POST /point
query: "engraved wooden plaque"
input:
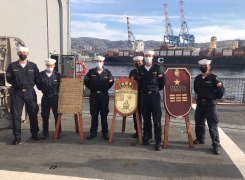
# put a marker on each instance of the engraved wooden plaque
(126, 96)
(70, 96)
(177, 92)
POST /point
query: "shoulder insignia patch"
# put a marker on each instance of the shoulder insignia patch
(8, 74)
(86, 78)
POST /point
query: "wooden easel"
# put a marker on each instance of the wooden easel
(166, 130)
(78, 130)
(124, 125)
(125, 115)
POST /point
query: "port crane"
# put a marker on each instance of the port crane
(169, 36)
(136, 45)
(188, 39)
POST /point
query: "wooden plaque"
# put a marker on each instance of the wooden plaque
(177, 92)
(70, 96)
(126, 96)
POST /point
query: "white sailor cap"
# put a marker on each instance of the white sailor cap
(22, 49)
(101, 58)
(204, 61)
(50, 61)
(138, 58)
(148, 52)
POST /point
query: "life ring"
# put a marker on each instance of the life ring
(79, 74)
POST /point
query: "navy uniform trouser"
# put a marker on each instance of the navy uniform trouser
(99, 103)
(18, 99)
(46, 104)
(209, 113)
(139, 111)
(151, 104)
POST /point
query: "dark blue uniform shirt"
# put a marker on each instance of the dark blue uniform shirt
(22, 78)
(134, 73)
(150, 80)
(206, 88)
(48, 85)
(98, 82)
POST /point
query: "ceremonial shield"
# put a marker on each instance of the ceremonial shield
(177, 92)
(126, 96)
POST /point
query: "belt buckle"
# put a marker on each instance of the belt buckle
(23, 90)
(149, 92)
(98, 91)
(50, 95)
(203, 99)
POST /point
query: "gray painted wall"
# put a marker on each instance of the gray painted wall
(37, 23)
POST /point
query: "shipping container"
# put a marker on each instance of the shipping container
(178, 52)
(126, 53)
(170, 52)
(156, 53)
(163, 53)
(120, 53)
(227, 52)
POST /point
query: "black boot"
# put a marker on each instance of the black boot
(216, 150)
(146, 140)
(91, 136)
(198, 142)
(105, 136)
(45, 136)
(16, 141)
(158, 146)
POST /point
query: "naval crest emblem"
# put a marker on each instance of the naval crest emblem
(126, 96)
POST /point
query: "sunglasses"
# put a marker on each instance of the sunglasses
(203, 65)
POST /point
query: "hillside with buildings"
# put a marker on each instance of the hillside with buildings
(87, 45)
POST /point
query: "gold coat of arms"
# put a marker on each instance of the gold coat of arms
(126, 98)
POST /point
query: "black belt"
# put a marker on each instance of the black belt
(149, 92)
(50, 95)
(98, 92)
(204, 100)
(23, 90)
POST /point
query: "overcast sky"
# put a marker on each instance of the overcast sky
(106, 19)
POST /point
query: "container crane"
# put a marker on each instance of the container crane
(169, 37)
(136, 45)
(188, 39)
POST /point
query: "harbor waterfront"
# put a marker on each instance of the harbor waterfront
(233, 79)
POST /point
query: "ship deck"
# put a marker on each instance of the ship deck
(125, 158)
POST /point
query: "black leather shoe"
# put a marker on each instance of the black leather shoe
(35, 137)
(135, 135)
(45, 136)
(198, 142)
(146, 141)
(16, 141)
(216, 151)
(91, 136)
(158, 146)
(105, 136)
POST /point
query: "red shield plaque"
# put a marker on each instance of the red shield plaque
(177, 92)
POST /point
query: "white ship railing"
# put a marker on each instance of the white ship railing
(234, 86)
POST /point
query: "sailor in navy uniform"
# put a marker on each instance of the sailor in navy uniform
(138, 61)
(48, 82)
(22, 75)
(152, 80)
(208, 88)
(99, 80)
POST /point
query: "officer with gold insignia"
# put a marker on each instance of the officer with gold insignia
(99, 80)
(22, 75)
(152, 80)
(138, 61)
(208, 88)
(48, 81)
